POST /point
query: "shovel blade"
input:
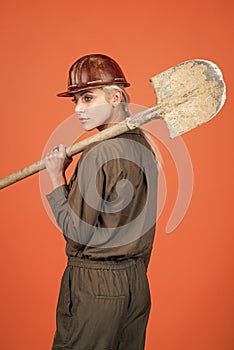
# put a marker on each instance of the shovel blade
(189, 94)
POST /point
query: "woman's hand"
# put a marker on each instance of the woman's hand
(56, 163)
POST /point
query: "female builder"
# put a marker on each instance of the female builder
(107, 213)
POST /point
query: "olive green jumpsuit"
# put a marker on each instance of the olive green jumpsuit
(104, 300)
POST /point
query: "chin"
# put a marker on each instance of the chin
(88, 128)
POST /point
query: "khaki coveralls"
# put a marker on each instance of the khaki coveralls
(104, 299)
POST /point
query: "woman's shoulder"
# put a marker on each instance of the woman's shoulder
(128, 143)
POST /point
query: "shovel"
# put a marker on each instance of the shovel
(188, 95)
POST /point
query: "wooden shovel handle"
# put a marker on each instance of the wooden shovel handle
(115, 130)
(71, 151)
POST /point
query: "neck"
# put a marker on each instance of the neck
(115, 119)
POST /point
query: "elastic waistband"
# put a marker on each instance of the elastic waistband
(103, 264)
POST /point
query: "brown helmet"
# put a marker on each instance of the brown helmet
(92, 71)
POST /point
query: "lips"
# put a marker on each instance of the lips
(83, 119)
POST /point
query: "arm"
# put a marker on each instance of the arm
(56, 163)
(75, 218)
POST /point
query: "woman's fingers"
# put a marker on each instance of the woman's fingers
(57, 152)
(56, 160)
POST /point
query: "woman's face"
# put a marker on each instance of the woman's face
(92, 108)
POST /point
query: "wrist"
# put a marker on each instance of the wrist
(58, 181)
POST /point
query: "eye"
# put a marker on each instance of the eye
(87, 98)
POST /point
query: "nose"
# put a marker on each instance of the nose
(79, 108)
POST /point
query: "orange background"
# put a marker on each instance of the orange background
(191, 271)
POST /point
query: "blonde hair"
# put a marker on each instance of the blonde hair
(110, 89)
(153, 147)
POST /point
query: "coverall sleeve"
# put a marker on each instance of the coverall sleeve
(75, 217)
(58, 200)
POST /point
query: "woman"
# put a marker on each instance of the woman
(107, 214)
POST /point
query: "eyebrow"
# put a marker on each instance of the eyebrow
(86, 91)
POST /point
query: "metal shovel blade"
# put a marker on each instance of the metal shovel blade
(189, 94)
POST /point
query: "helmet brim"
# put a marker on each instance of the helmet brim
(73, 91)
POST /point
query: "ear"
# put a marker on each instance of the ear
(117, 96)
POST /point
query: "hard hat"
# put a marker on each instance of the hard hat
(93, 71)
